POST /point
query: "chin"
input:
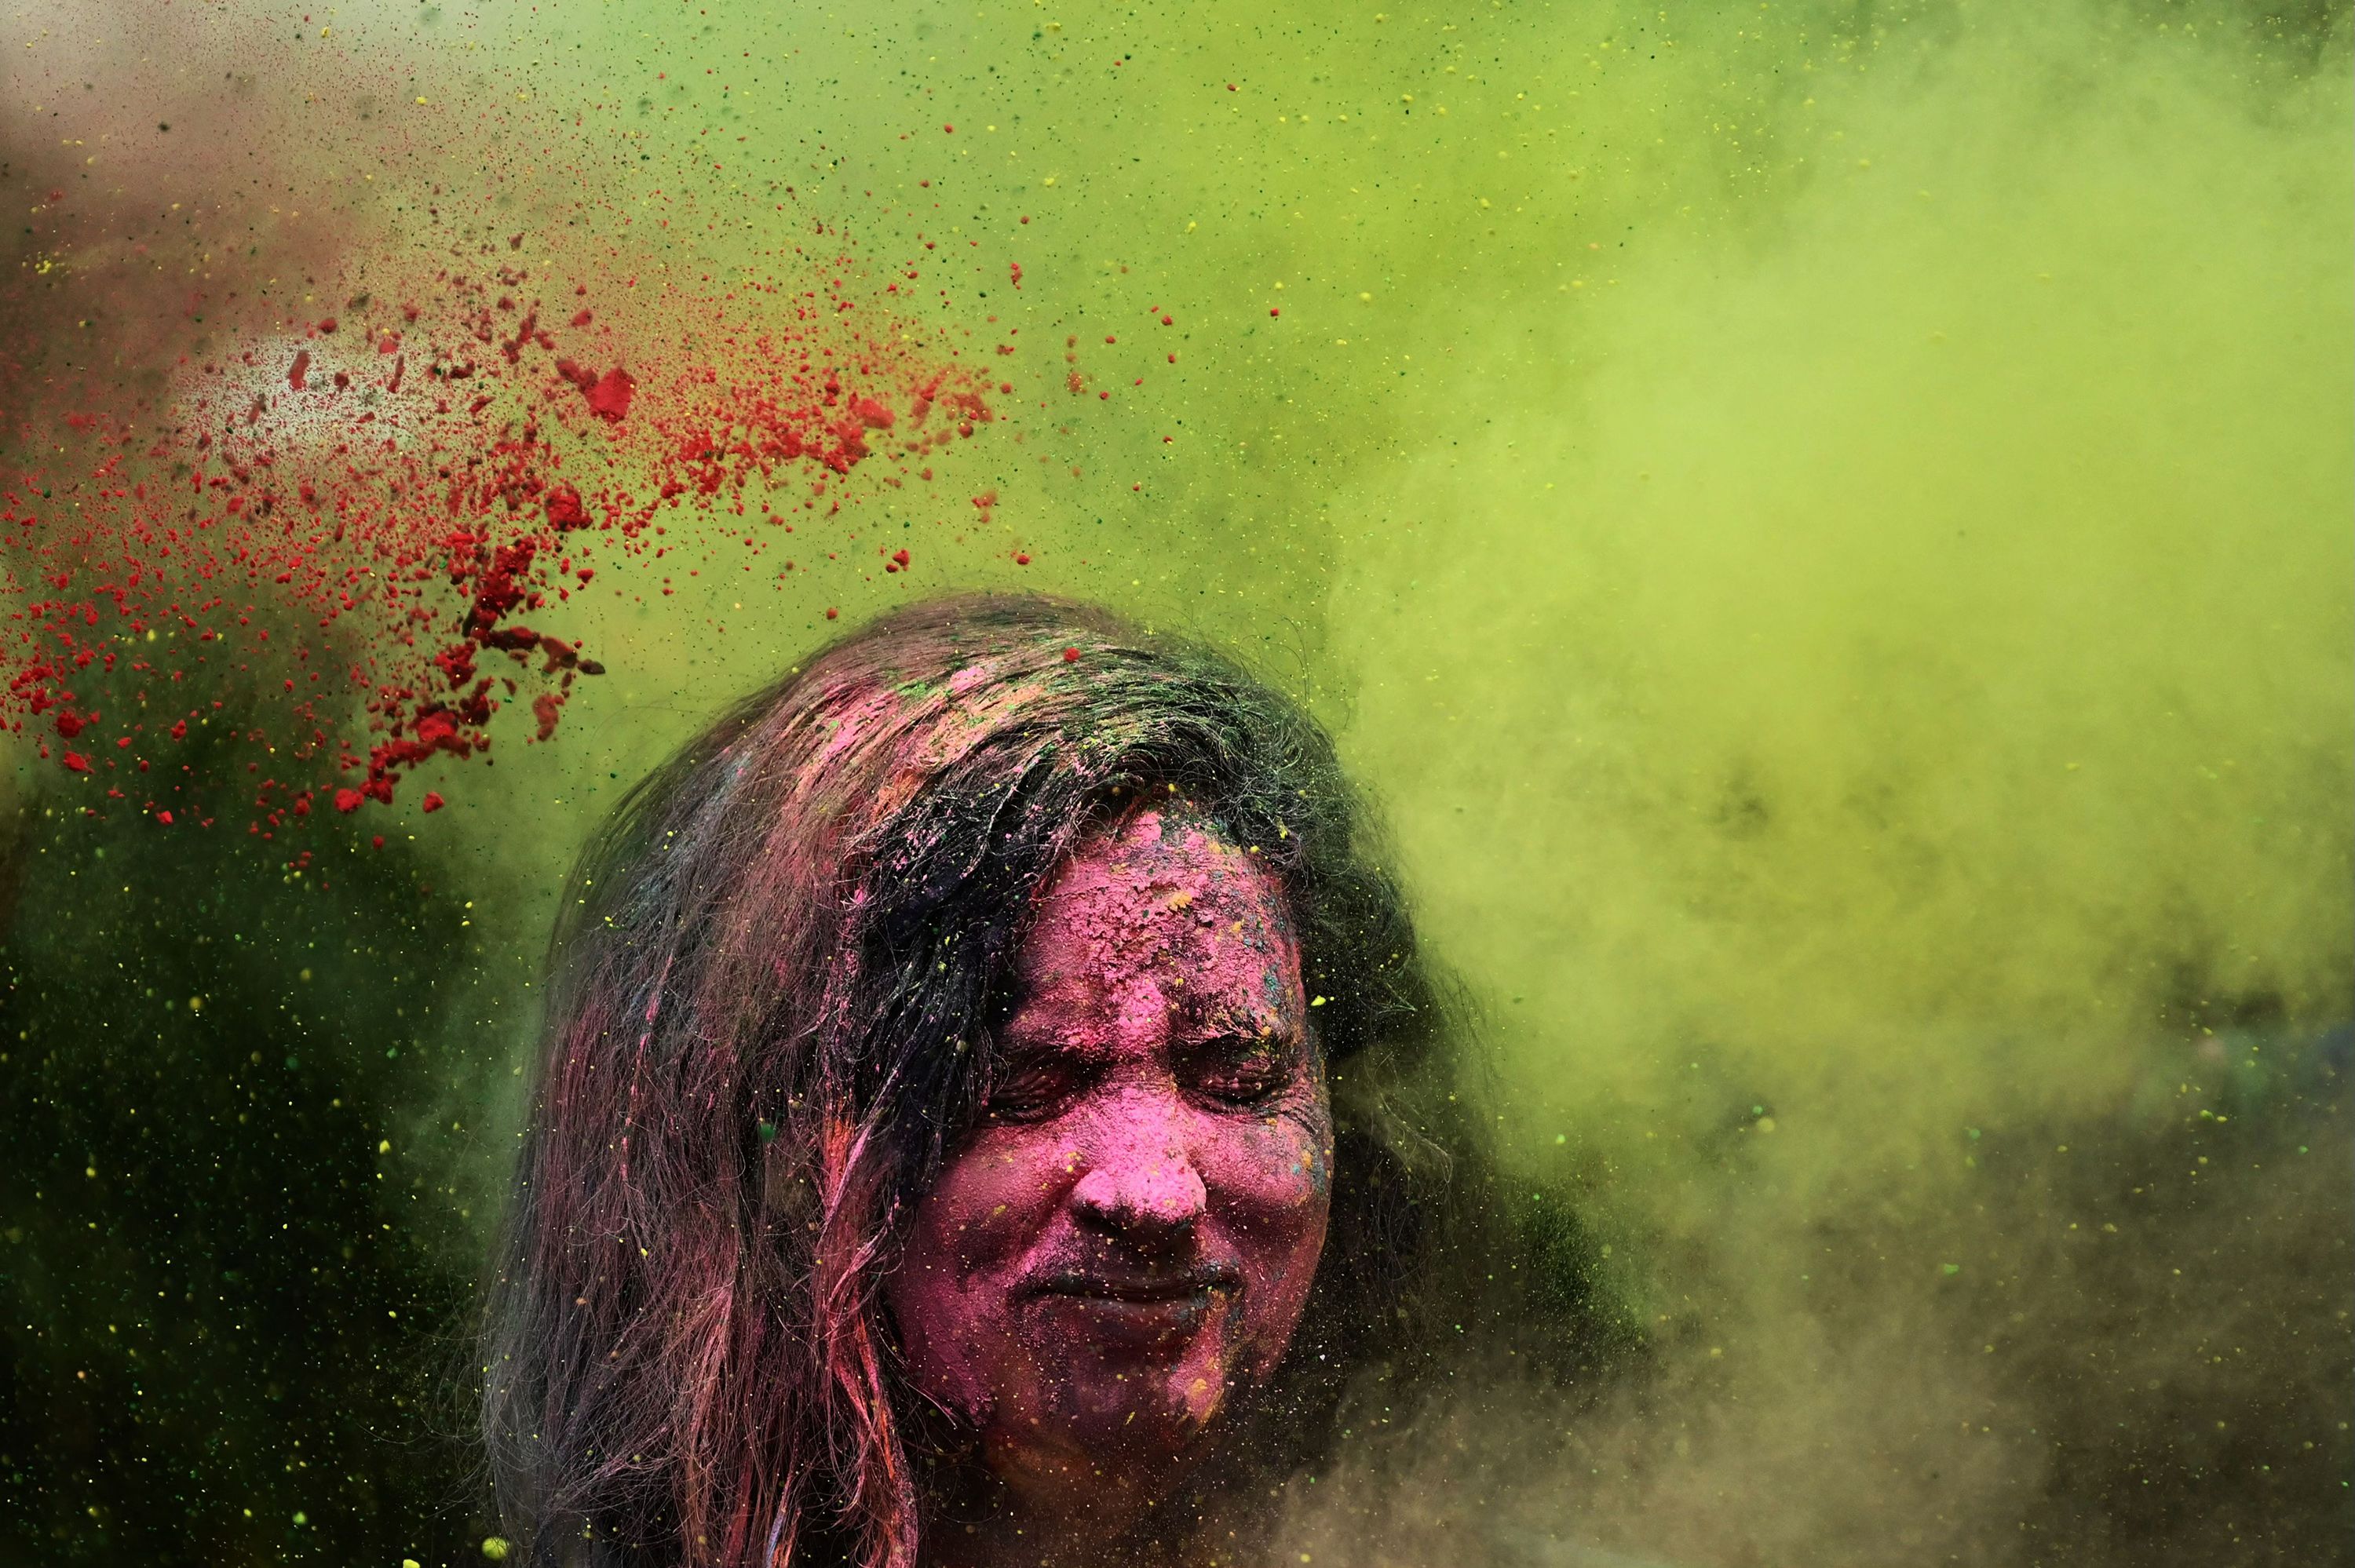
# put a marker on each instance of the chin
(1112, 1439)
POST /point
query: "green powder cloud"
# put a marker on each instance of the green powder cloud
(1826, 525)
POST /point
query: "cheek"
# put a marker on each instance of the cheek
(989, 1205)
(949, 1295)
(1271, 1182)
(980, 1220)
(1274, 1186)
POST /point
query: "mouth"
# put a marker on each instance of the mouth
(1176, 1286)
(1147, 1312)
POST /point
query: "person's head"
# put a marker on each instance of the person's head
(986, 1072)
(1124, 1240)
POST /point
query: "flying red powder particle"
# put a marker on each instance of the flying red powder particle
(433, 801)
(299, 372)
(609, 397)
(1071, 655)
(564, 509)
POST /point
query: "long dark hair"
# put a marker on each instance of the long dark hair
(773, 991)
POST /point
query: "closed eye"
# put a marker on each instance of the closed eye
(1243, 1070)
(1036, 1086)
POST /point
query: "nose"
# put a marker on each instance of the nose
(1143, 1192)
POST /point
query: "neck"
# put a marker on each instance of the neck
(974, 1519)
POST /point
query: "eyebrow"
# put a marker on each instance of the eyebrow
(1202, 1023)
(1053, 1043)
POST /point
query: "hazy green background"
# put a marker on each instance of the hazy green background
(1827, 527)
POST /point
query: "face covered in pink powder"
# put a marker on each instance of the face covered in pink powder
(1128, 1239)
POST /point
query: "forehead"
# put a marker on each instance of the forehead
(1162, 898)
(1151, 858)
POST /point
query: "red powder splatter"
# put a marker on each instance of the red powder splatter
(1016, 268)
(433, 801)
(374, 570)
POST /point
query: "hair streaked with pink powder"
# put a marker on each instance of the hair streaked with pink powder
(774, 998)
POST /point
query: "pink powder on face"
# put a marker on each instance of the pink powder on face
(1130, 1235)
